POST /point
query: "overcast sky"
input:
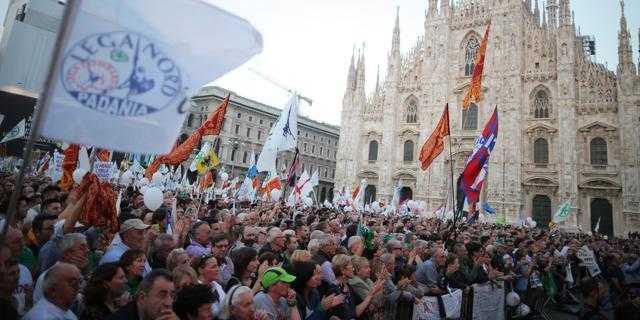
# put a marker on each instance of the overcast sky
(308, 44)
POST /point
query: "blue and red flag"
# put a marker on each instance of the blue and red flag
(475, 171)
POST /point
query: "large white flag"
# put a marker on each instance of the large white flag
(283, 136)
(128, 67)
(17, 132)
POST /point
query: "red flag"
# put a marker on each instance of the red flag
(104, 154)
(435, 144)
(273, 183)
(212, 126)
(355, 192)
(69, 164)
(475, 87)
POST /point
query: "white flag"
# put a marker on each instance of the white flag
(17, 132)
(596, 229)
(315, 180)
(283, 136)
(128, 67)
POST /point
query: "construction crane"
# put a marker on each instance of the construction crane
(277, 84)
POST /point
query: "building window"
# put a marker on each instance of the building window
(261, 121)
(245, 157)
(239, 115)
(471, 50)
(248, 132)
(470, 118)
(314, 138)
(411, 115)
(321, 150)
(259, 135)
(325, 172)
(304, 147)
(373, 150)
(250, 118)
(541, 151)
(313, 148)
(233, 155)
(541, 105)
(271, 125)
(408, 151)
(237, 128)
(306, 135)
(598, 150)
(190, 120)
(541, 210)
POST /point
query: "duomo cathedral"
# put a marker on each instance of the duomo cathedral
(569, 128)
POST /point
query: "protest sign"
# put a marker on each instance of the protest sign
(102, 169)
(426, 309)
(588, 260)
(452, 304)
(488, 301)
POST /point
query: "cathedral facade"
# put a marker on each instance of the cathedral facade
(569, 128)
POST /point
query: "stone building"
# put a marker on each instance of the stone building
(246, 127)
(569, 127)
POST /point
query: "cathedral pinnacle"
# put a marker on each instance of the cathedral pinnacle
(552, 13)
(395, 42)
(351, 77)
(625, 53)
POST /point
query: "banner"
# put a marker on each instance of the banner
(426, 309)
(103, 169)
(488, 301)
(127, 68)
(17, 132)
(588, 260)
(452, 304)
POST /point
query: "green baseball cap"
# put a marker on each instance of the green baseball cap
(274, 275)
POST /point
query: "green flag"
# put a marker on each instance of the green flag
(563, 212)
(500, 220)
(17, 132)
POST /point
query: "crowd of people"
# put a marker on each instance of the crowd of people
(264, 260)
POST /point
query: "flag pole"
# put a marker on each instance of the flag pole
(39, 111)
(453, 190)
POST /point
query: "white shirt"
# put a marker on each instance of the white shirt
(25, 282)
(45, 310)
(216, 306)
(116, 250)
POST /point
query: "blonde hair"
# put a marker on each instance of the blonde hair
(181, 271)
(300, 256)
(359, 262)
(172, 258)
(338, 262)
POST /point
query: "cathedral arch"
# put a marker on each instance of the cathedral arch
(541, 103)
(541, 212)
(470, 117)
(598, 152)
(470, 46)
(373, 150)
(411, 109)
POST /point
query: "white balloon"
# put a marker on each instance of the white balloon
(153, 198)
(533, 224)
(529, 220)
(225, 176)
(78, 174)
(275, 194)
(513, 299)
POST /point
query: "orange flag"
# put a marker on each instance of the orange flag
(212, 126)
(69, 164)
(435, 144)
(273, 183)
(475, 88)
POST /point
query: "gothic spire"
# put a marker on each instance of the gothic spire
(378, 80)
(395, 42)
(445, 7)
(544, 19)
(536, 12)
(565, 13)
(552, 13)
(351, 77)
(432, 10)
(625, 54)
(360, 74)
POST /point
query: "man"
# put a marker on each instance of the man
(238, 305)
(277, 299)
(73, 250)
(302, 232)
(61, 285)
(194, 302)
(133, 235)
(249, 239)
(219, 250)
(162, 246)
(42, 230)
(9, 275)
(275, 243)
(25, 283)
(51, 206)
(394, 247)
(153, 301)
(200, 239)
(594, 294)
(327, 249)
(431, 272)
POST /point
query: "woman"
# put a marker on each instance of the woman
(132, 262)
(209, 273)
(361, 281)
(245, 262)
(352, 307)
(308, 278)
(177, 257)
(184, 276)
(356, 246)
(103, 292)
(300, 256)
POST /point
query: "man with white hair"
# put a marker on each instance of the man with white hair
(238, 305)
(328, 246)
(60, 284)
(73, 250)
(275, 243)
